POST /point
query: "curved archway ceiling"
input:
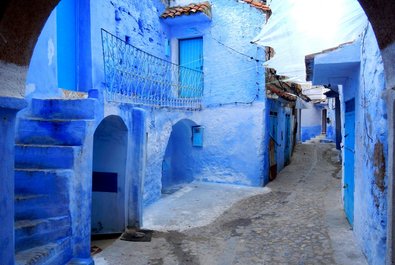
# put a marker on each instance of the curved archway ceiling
(297, 28)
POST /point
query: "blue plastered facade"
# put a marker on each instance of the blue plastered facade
(68, 135)
(358, 70)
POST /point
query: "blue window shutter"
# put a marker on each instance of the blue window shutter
(191, 57)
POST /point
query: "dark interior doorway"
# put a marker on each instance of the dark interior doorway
(108, 176)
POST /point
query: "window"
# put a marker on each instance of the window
(191, 67)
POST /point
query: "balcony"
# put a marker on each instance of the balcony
(137, 77)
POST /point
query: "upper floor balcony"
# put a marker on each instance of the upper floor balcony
(137, 77)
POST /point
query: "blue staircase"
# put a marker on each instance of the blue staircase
(47, 144)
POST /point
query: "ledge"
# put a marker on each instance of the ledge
(12, 103)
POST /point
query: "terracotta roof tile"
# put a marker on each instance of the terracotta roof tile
(259, 4)
(285, 95)
(171, 12)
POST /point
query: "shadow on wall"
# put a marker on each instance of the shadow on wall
(108, 178)
(178, 162)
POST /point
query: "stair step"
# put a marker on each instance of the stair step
(32, 233)
(42, 181)
(64, 108)
(35, 206)
(44, 156)
(51, 132)
(58, 252)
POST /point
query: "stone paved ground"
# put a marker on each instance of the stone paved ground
(299, 222)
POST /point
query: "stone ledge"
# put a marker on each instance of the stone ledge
(12, 103)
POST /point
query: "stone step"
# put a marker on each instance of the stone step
(64, 108)
(51, 132)
(44, 156)
(50, 181)
(37, 232)
(36, 206)
(58, 252)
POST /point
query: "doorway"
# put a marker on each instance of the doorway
(323, 122)
(178, 163)
(273, 145)
(287, 149)
(349, 153)
(108, 177)
(191, 64)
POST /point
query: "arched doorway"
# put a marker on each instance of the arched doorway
(178, 162)
(108, 176)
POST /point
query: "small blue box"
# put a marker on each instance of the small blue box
(197, 136)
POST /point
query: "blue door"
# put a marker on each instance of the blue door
(273, 142)
(349, 151)
(191, 67)
(66, 44)
(287, 151)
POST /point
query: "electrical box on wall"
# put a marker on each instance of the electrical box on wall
(197, 136)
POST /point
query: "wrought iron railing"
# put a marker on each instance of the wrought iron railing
(137, 77)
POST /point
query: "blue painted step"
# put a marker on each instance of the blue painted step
(64, 108)
(32, 233)
(44, 156)
(51, 132)
(55, 253)
(45, 181)
(40, 206)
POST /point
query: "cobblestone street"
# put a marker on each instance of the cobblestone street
(300, 221)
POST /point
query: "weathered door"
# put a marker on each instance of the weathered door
(191, 67)
(349, 152)
(273, 145)
(323, 121)
(287, 149)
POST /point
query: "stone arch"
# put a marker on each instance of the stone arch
(20, 25)
(177, 165)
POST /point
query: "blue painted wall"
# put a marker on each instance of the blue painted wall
(233, 151)
(372, 165)
(74, 59)
(309, 132)
(311, 122)
(138, 20)
(359, 69)
(66, 22)
(41, 80)
(229, 75)
(234, 141)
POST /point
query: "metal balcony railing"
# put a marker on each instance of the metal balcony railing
(137, 77)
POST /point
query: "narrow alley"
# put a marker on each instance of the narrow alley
(298, 221)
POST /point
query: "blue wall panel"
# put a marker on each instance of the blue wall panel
(66, 19)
